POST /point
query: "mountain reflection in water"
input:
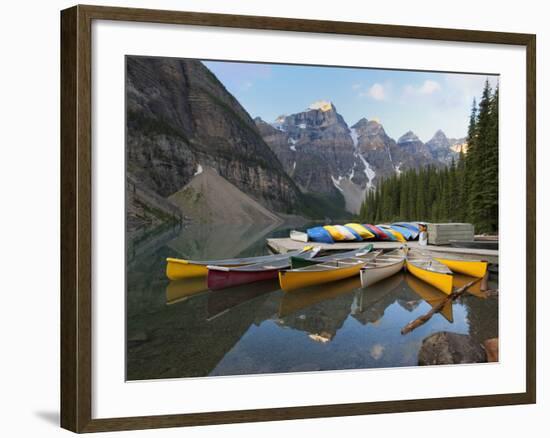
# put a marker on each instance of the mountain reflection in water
(180, 329)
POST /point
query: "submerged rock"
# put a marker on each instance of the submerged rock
(444, 348)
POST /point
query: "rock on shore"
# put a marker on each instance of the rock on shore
(445, 348)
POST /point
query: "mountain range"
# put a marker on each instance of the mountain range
(181, 120)
(324, 155)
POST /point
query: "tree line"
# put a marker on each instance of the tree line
(464, 191)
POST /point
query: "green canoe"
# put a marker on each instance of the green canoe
(297, 262)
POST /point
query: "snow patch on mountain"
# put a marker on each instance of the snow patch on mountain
(292, 143)
(336, 183)
(369, 171)
(279, 122)
(199, 170)
(322, 105)
(354, 137)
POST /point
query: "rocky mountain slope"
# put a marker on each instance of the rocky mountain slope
(146, 209)
(445, 149)
(181, 118)
(210, 198)
(319, 151)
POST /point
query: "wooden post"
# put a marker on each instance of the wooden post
(485, 282)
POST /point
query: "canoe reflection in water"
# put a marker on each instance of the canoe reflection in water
(186, 330)
(222, 301)
(371, 302)
(181, 290)
(431, 295)
(309, 296)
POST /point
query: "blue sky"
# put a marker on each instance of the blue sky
(401, 100)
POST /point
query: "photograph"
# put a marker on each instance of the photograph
(285, 218)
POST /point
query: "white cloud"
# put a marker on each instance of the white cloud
(428, 87)
(357, 86)
(376, 351)
(376, 92)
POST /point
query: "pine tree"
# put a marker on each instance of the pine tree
(466, 190)
(469, 161)
(491, 172)
(462, 196)
(478, 189)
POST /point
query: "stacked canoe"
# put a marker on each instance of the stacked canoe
(397, 232)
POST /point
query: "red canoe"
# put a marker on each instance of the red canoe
(220, 277)
(379, 233)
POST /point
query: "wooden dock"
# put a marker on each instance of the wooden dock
(285, 244)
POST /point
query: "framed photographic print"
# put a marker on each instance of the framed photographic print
(268, 218)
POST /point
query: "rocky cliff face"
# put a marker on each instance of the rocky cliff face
(318, 140)
(445, 149)
(376, 147)
(412, 153)
(180, 118)
(319, 151)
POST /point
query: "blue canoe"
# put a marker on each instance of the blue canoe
(319, 234)
(407, 233)
(410, 225)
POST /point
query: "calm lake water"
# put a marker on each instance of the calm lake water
(178, 329)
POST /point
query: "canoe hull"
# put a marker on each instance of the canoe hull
(219, 279)
(300, 262)
(393, 233)
(319, 234)
(379, 234)
(472, 268)
(370, 276)
(443, 282)
(297, 262)
(360, 230)
(177, 269)
(299, 236)
(291, 280)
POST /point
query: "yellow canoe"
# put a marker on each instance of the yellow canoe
(432, 272)
(475, 268)
(322, 273)
(178, 269)
(334, 232)
(361, 230)
(431, 295)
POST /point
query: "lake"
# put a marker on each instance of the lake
(179, 329)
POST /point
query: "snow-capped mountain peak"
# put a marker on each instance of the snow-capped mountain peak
(322, 105)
